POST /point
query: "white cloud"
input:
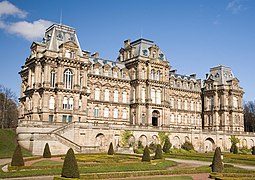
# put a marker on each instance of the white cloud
(235, 6)
(2, 25)
(7, 8)
(29, 31)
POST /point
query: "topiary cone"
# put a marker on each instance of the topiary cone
(146, 155)
(17, 158)
(217, 165)
(46, 152)
(110, 150)
(70, 166)
(158, 153)
(167, 146)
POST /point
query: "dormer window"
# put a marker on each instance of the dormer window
(154, 54)
(60, 37)
(72, 54)
(217, 75)
(72, 38)
(161, 56)
(145, 52)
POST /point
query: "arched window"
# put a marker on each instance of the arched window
(115, 113)
(52, 78)
(192, 105)
(68, 79)
(65, 103)
(97, 94)
(143, 74)
(106, 112)
(143, 95)
(185, 119)
(185, 105)
(179, 104)
(158, 75)
(172, 118)
(124, 97)
(116, 96)
(124, 114)
(106, 95)
(52, 102)
(115, 74)
(96, 111)
(158, 97)
(152, 74)
(235, 102)
(153, 95)
(96, 71)
(179, 120)
(70, 103)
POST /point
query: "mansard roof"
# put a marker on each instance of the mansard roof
(142, 46)
(58, 34)
(104, 62)
(221, 74)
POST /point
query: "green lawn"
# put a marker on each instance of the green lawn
(166, 178)
(8, 143)
(247, 159)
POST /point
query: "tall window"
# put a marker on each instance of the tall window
(124, 114)
(158, 75)
(106, 95)
(158, 97)
(96, 112)
(235, 102)
(179, 104)
(153, 95)
(198, 106)
(179, 120)
(185, 105)
(50, 119)
(143, 74)
(152, 74)
(52, 102)
(97, 94)
(106, 112)
(124, 97)
(68, 79)
(172, 118)
(80, 104)
(115, 74)
(115, 96)
(70, 103)
(52, 78)
(81, 79)
(172, 102)
(143, 95)
(65, 103)
(96, 71)
(70, 119)
(185, 119)
(192, 105)
(115, 113)
(192, 120)
(106, 73)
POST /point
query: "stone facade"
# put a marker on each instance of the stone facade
(70, 98)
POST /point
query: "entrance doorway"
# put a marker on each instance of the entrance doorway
(155, 116)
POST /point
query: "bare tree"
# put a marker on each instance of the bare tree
(249, 116)
(8, 108)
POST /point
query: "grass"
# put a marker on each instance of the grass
(8, 143)
(166, 178)
(246, 159)
(47, 163)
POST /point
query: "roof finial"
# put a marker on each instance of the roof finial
(60, 16)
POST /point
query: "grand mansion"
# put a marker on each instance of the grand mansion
(72, 98)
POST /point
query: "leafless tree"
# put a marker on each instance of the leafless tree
(249, 116)
(8, 108)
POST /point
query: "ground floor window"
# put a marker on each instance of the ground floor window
(50, 118)
(70, 118)
(64, 118)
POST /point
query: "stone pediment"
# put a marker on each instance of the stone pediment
(69, 44)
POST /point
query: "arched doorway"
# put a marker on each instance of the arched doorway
(155, 116)
(209, 145)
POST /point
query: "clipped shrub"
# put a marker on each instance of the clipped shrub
(17, 158)
(140, 145)
(187, 146)
(46, 152)
(253, 150)
(70, 166)
(152, 147)
(110, 150)
(167, 145)
(146, 155)
(158, 153)
(235, 149)
(138, 151)
(217, 165)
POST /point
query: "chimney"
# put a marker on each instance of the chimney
(95, 55)
(126, 43)
(173, 71)
(194, 76)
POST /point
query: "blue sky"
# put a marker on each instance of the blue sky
(194, 34)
